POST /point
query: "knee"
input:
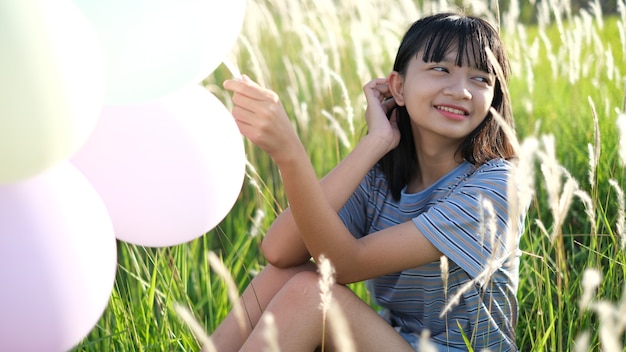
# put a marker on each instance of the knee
(286, 274)
(303, 287)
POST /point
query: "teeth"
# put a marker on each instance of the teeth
(454, 111)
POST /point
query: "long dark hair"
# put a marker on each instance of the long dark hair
(435, 35)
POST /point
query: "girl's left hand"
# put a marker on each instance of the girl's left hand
(379, 105)
(261, 118)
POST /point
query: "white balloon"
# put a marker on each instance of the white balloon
(168, 170)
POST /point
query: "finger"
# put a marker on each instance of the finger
(243, 116)
(251, 89)
(375, 82)
(389, 103)
(246, 78)
(393, 119)
(243, 102)
(384, 90)
(240, 84)
(376, 89)
(237, 85)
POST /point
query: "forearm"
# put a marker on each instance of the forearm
(314, 205)
(283, 245)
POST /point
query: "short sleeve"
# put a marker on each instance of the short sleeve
(470, 225)
(356, 214)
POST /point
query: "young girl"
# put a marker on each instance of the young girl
(427, 182)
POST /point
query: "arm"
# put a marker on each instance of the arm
(283, 245)
(393, 249)
(313, 206)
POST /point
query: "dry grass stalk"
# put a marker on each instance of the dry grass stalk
(326, 282)
(621, 127)
(612, 317)
(559, 195)
(255, 62)
(196, 328)
(521, 188)
(443, 266)
(609, 328)
(620, 226)
(231, 288)
(498, 256)
(621, 311)
(256, 181)
(582, 342)
(336, 127)
(594, 153)
(270, 333)
(589, 209)
(445, 271)
(425, 345)
(257, 221)
(621, 8)
(489, 218)
(346, 99)
(340, 330)
(590, 282)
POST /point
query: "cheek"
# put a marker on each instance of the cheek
(492, 98)
(488, 100)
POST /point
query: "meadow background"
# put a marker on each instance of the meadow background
(568, 92)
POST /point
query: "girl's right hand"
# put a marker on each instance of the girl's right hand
(261, 117)
(379, 104)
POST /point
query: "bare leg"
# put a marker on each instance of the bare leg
(228, 336)
(298, 320)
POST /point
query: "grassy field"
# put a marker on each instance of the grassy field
(568, 91)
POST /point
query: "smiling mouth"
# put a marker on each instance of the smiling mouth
(451, 110)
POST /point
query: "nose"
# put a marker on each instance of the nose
(457, 88)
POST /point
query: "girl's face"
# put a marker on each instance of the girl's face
(443, 100)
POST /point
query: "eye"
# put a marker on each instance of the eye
(485, 79)
(439, 69)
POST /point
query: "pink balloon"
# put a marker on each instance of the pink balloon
(168, 170)
(57, 260)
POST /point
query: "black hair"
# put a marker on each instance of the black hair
(437, 35)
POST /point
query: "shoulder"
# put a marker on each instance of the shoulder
(497, 165)
(488, 180)
(373, 188)
(495, 170)
(375, 179)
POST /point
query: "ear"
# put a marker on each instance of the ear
(396, 87)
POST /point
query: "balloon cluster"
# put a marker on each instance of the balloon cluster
(105, 134)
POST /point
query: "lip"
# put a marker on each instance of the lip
(453, 112)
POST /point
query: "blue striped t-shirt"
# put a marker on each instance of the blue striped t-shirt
(464, 215)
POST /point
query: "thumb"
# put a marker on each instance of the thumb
(393, 117)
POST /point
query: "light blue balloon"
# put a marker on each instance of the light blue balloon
(155, 47)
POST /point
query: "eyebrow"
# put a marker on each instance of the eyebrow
(449, 58)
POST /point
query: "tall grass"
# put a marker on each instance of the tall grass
(567, 90)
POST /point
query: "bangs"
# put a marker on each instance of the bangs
(438, 35)
(461, 34)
